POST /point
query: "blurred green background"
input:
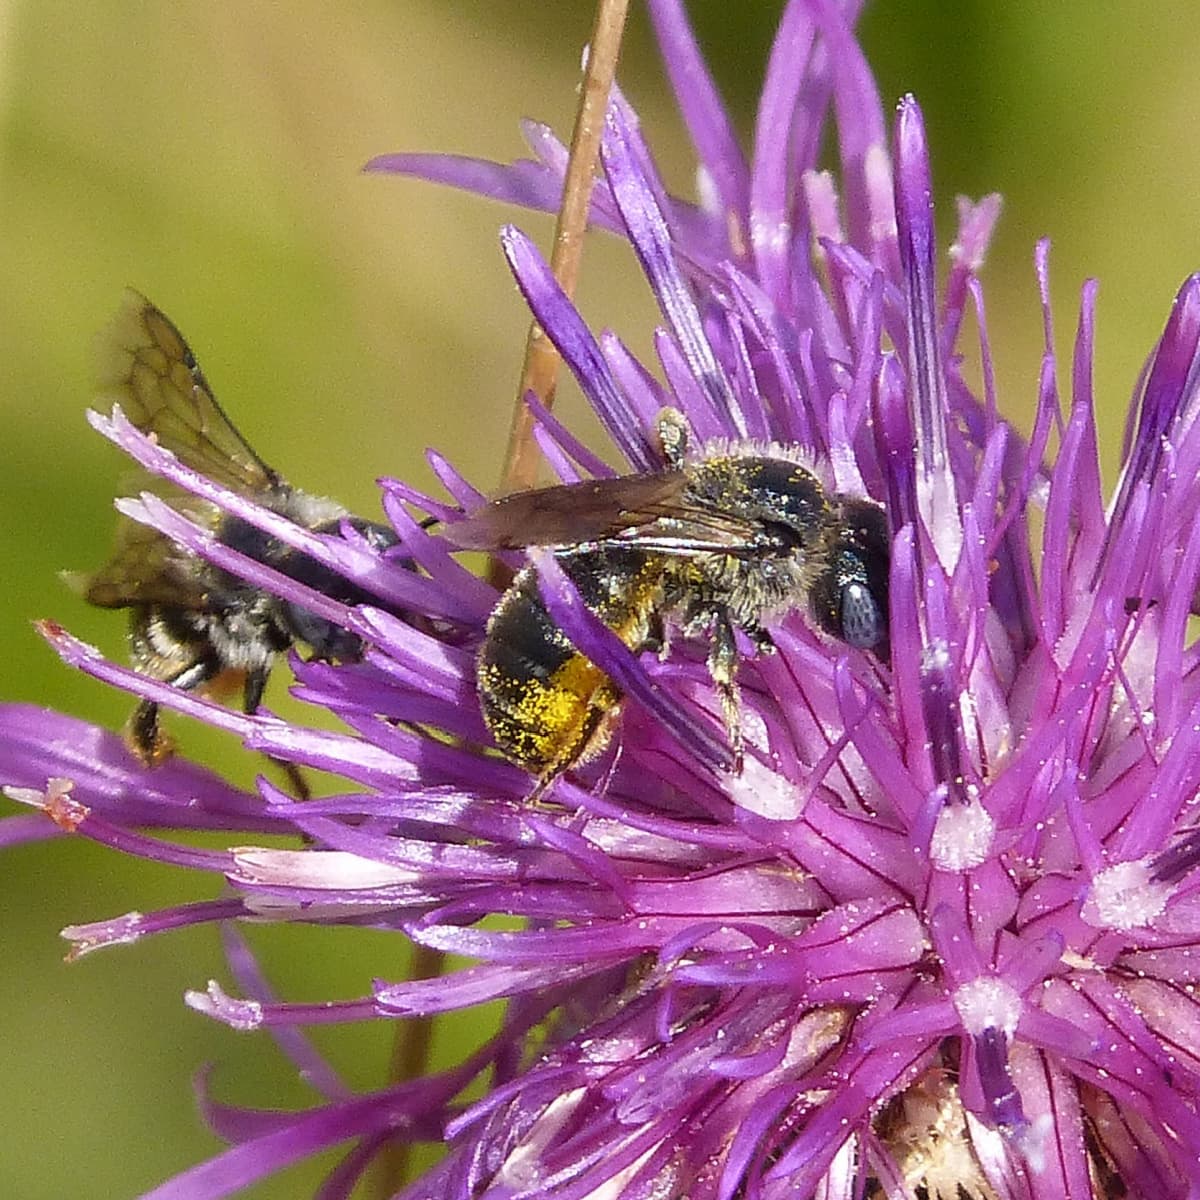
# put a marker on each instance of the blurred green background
(208, 154)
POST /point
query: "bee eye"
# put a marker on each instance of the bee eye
(862, 622)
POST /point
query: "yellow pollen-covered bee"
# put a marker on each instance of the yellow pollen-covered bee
(726, 540)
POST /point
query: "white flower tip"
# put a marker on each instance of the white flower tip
(98, 935)
(1125, 896)
(824, 213)
(55, 801)
(770, 236)
(99, 422)
(217, 1003)
(706, 190)
(962, 837)
(988, 1003)
(334, 870)
(1031, 1139)
(134, 508)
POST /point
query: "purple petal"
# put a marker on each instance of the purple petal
(936, 495)
(703, 112)
(564, 327)
(37, 744)
(651, 240)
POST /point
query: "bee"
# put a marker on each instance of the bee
(192, 624)
(724, 541)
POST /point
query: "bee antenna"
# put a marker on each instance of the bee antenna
(672, 429)
(610, 771)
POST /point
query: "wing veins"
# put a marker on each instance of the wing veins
(145, 365)
(653, 511)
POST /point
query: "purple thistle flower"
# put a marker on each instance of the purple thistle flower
(941, 931)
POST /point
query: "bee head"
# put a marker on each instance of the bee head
(850, 596)
(328, 639)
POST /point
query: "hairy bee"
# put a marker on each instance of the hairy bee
(722, 542)
(190, 621)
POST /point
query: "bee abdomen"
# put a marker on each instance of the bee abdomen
(545, 703)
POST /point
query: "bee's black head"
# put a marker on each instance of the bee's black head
(327, 639)
(850, 597)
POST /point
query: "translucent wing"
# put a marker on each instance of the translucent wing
(146, 367)
(146, 568)
(654, 511)
(568, 514)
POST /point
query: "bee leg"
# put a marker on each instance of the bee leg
(656, 640)
(144, 735)
(761, 639)
(294, 776)
(722, 666)
(256, 682)
(544, 784)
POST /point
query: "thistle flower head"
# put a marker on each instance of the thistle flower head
(941, 932)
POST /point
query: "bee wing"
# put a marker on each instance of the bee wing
(146, 568)
(144, 364)
(569, 513)
(652, 511)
